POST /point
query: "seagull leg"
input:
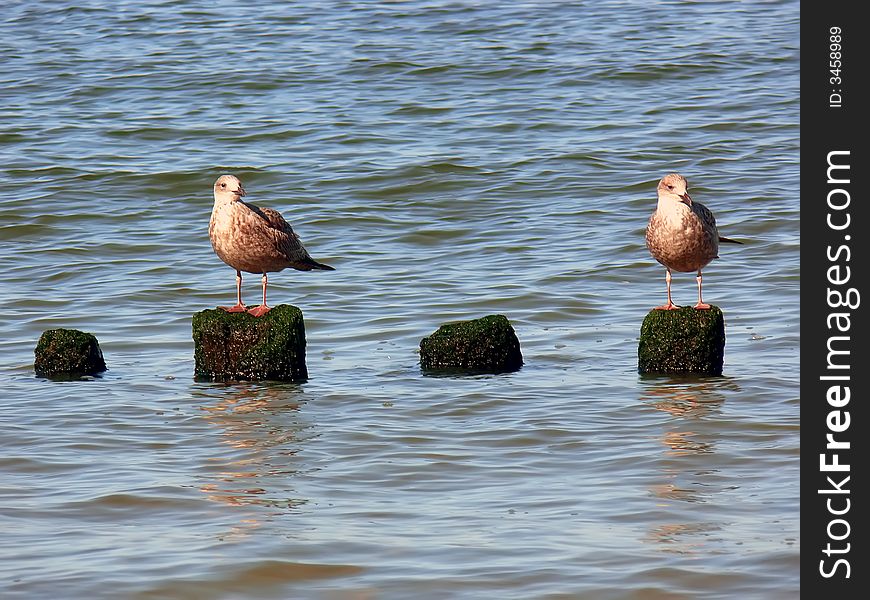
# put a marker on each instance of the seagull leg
(700, 305)
(239, 307)
(670, 305)
(263, 308)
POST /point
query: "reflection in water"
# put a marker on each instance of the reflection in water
(687, 398)
(682, 538)
(688, 471)
(684, 442)
(670, 491)
(691, 402)
(261, 425)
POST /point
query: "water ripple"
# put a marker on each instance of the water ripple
(451, 160)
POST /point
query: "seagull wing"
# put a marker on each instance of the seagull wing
(286, 240)
(709, 221)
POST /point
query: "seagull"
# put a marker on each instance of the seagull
(682, 234)
(253, 239)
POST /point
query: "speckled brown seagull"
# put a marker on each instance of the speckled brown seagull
(253, 239)
(682, 234)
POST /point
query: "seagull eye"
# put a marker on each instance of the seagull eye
(223, 185)
(670, 187)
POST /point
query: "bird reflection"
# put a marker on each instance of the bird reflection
(684, 442)
(261, 427)
(692, 402)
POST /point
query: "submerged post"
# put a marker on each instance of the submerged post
(234, 346)
(485, 345)
(67, 354)
(684, 341)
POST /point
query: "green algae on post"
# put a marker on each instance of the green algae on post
(684, 341)
(67, 354)
(238, 346)
(485, 345)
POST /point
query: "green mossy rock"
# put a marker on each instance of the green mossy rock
(67, 354)
(685, 341)
(235, 346)
(485, 345)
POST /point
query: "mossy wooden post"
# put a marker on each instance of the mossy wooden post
(234, 346)
(684, 341)
(67, 354)
(485, 345)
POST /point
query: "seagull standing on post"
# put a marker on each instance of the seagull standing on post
(253, 239)
(682, 234)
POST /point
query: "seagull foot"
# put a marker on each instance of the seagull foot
(668, 306)
(259, 311)
(234, 309)
(702, 306)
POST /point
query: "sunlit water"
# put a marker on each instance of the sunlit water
(451, 160)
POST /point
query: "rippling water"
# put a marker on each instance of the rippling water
(452, 160)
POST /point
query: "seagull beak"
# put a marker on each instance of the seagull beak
(240, 191)
(686, 199)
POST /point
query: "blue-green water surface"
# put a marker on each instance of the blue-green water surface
(451, 160)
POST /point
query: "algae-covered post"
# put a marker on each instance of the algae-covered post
(67, 354)
(683, 341)
(485, 345)
(234, 346)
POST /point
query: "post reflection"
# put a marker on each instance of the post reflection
(694, 398)
(262, 431)
(689, 465)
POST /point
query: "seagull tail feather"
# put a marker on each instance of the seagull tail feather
(323, 267)
(309, 264)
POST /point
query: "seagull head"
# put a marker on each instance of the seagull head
(675, 187)
(228, 188)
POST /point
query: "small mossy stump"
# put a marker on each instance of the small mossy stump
(485, 345)
(67, 354)
(236, 346)
(684, 341)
